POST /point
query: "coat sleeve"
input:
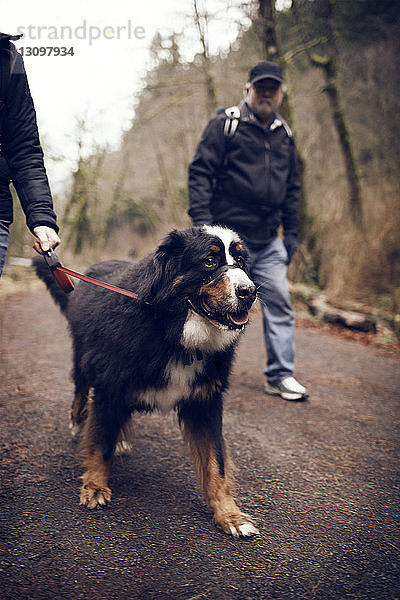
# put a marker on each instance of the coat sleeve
(290, 209)
(204, 170)
(22, 149)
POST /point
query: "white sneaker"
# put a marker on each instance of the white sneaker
(288, 389)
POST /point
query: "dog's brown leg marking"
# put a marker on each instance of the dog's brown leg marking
(217, 488)
(94, 491)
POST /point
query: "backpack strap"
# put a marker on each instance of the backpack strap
(231, 121)
(279, 122)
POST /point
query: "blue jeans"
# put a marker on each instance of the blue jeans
(268, 271)
(4, 233)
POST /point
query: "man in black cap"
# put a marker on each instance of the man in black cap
(244, 175)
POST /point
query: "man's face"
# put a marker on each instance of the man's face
(264, 98)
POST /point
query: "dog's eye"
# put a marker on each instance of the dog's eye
(240, 261)
(211, 262)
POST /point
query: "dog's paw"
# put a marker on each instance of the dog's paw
(238, 525)
(94, 496)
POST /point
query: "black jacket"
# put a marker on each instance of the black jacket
(248, 182)
(21, 156)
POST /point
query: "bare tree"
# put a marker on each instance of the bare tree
(329, 65)
(82, 212)
(271, 51)
(271, 48)
(201, 22)
(266, 12)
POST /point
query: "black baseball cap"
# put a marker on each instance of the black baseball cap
(266, 70)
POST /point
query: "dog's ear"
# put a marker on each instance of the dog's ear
(163, 269)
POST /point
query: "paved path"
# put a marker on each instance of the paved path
(321, 479)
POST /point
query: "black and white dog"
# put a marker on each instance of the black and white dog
(172, 348)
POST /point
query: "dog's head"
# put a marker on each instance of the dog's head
(203, 269)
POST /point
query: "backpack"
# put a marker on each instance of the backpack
(232, 120)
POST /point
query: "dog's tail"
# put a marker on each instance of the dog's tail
(45, 274)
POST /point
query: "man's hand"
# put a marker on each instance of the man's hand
(46, 239)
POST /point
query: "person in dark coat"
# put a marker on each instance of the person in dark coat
(21, 155)
(244, 175)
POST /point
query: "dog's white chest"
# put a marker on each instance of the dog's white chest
(200, 333)
(179, 380)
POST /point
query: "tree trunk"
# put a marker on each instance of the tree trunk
(266, 12)
(329, 65)
(211, 94)
(271, 49)
(165, 184)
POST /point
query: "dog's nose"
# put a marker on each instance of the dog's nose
(246, 292)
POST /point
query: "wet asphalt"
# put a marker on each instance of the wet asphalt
(320, 478)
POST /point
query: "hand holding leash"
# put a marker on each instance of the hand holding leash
(47, 238)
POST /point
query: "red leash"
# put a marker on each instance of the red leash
(61, 275)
